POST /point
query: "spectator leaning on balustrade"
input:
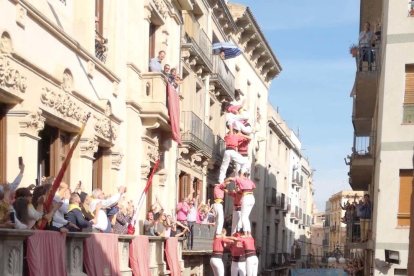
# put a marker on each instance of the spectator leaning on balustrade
(149, 224)
(102, 222)
(155, 63)
(75, 215)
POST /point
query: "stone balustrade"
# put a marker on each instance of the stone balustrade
(12, 253)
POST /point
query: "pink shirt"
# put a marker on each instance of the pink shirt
(245, 184)
(243, 145)
(219, 191)
(232, 140)
(182, 211)
(237, 249)
(236, 198)
(248, 243)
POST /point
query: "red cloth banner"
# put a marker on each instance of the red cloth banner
(171, 253)
(139, 256)
(174, 112)
(46, 253)
(101, 255)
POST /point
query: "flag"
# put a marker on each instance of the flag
(144, 192)
(56, 183)
(174, 112)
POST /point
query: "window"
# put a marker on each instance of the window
(406, 182)
(97, 169)
(53, 147)
(184, 186)
(152, 41)
(100, 41)
(408, 106)
(3, 143)
(99, 16)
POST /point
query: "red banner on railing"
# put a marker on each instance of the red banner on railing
(171, 253)
(139, 256)
(174, 112)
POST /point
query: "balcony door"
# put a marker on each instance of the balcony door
(97, 169)
(3, 143)
(185, 184)
(53, 147)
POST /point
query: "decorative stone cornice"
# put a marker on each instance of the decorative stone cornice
(105, 129)
(151, 148)
(88, 147)
(62, 103)
(116, 160)
(11, 78)
(161, 7)
(33, 123)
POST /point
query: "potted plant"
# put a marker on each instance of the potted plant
(353, 50)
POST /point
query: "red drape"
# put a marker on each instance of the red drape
(139, 256)
(46, 254)
(174, 112)
(101, 255)
(171, 252)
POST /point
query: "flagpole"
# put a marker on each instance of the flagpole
(144, 192)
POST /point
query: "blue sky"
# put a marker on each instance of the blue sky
(311, 40)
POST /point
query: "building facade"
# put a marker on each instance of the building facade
(317, 238)
(61, 60)
(285, 214)
(381, 160)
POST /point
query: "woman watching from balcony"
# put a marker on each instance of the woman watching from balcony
(365, 42)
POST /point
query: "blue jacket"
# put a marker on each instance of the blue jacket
(365, 210)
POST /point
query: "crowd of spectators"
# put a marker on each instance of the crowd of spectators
(357, 218)
(71, 210)
(171, 74)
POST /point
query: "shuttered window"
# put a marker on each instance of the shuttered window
(3, 143)
(408, 107)
(404, 205)
(185, 186)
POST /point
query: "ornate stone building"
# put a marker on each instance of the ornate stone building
(61, 60)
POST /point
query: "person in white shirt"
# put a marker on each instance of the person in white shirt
(98, 197)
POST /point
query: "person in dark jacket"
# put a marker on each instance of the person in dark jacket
(75, 214)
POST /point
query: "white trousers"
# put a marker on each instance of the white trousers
(218, 208)
(252, 264)
(240, 126)
(236, 223)
(238, 268)
(217, 266)
(229, 155)
(246, 207)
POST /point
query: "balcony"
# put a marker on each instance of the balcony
(285, 203)
(353, 236)
(271, 197)
(362, 163)
(296, 180)
(222, 77)
(12, 244)
(365, 88)
(197, 134)
(203, 239)
(100, 47)
(219, 148)
(154, 100)
(198, 45)
(294, 215)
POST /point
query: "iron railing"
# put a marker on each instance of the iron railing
(196, 133)
(223, 75)
(100, 47)
(363, 145)
(368, 58)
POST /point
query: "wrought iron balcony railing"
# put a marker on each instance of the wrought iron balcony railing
(196, 133)
(368, 58)
(223, 76)
(101, 48)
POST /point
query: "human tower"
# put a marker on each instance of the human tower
(240, 242)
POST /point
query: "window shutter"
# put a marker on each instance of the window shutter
(404, 204)
(409, 84)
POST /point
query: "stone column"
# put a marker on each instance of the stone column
(11, 251)
(88, 147)
(74, 253)
(27, 147)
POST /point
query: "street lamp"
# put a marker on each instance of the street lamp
(336, 257)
